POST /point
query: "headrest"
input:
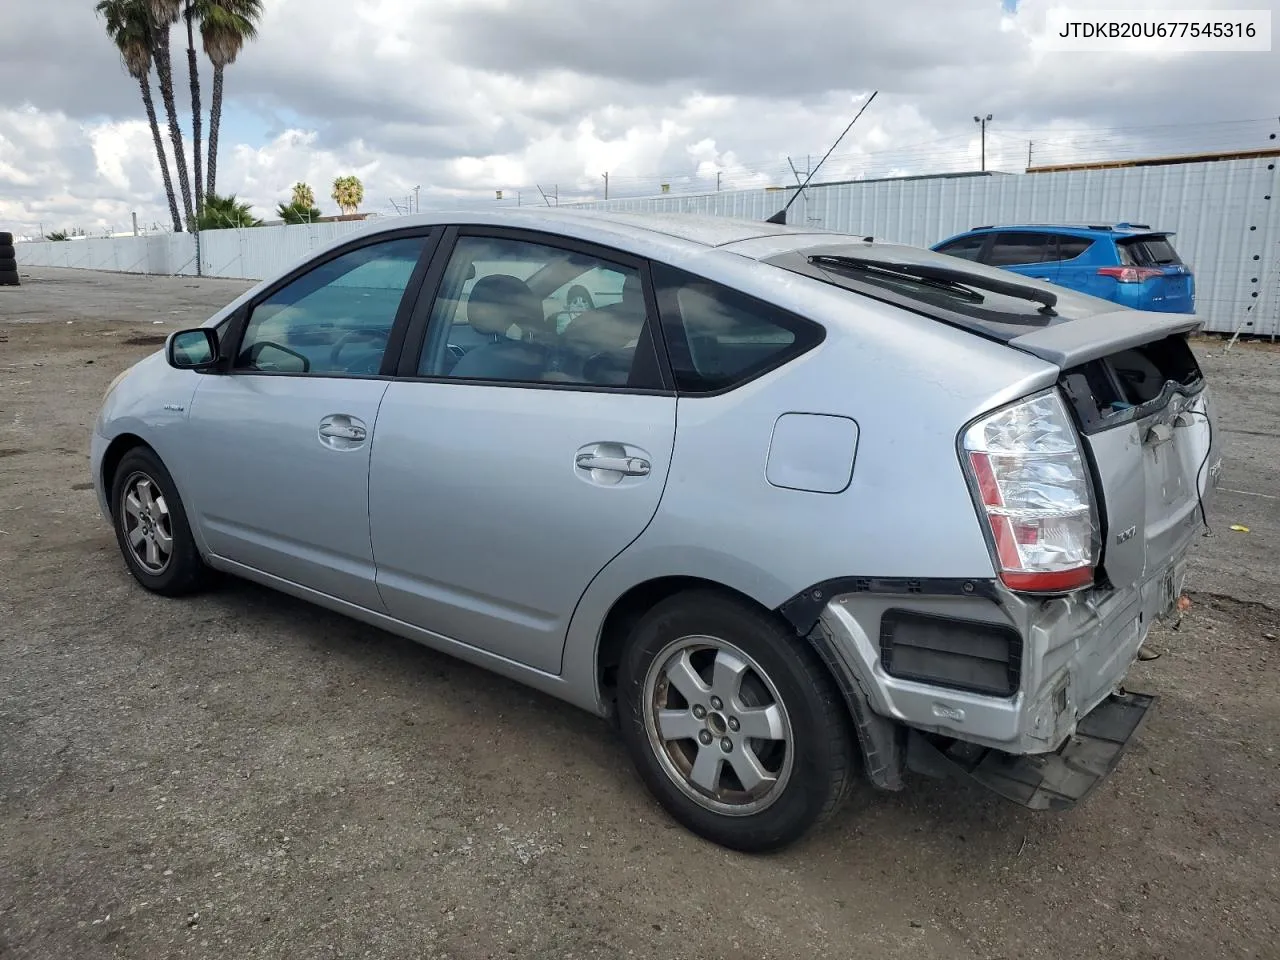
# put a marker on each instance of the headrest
(498, 301)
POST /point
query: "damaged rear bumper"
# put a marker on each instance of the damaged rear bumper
(1045, 781)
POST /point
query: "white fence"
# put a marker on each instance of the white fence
(1226, 220)
(250, 254)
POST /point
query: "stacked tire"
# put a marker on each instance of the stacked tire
(8, 261)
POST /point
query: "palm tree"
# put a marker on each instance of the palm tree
(129, 26)
(189, 14)
(225, 26)
(295, 212)
(164, 13)
(303, 195)
(219, 212)
(348, 192)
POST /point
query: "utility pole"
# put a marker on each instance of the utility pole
(1029, 142)
(717, 181)
(983, 121)
(606, 186)
(135, 223)
(416, 207)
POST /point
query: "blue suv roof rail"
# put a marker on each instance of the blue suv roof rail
(1066, 226)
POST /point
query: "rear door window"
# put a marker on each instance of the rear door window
(1013, 249)
(718, 338)
(1071, 247)
(967, 248)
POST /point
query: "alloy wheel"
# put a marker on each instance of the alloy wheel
(717, 725)
(147, 525)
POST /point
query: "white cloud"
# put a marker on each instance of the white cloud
(463, 97)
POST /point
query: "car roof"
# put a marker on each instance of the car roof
(702, 229)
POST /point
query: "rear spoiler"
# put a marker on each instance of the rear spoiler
(1075, 342)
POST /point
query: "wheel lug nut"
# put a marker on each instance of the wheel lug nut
(705, 738)
(715, 703)
(733, 724)
(699, 711)
(726, 745)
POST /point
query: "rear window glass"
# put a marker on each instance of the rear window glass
(1071, 247)
(966, 248)
(1015, 248)
(1147, 252)
(968, 304)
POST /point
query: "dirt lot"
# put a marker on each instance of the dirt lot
(241, 775)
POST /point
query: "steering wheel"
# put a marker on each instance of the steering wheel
(351, 337)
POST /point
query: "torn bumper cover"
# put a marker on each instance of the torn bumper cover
(1046, 781)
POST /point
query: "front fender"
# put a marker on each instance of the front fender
(151, 403)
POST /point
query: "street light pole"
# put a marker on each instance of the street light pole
(983, 121)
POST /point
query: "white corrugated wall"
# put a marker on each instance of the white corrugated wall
(249, 254)
(1224, 213)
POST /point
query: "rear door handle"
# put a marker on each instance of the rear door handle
(340, 430)
(627, 466)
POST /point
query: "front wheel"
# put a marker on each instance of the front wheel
(732, 722)
(151, 526)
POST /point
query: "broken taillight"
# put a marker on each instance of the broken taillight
(1031, 486)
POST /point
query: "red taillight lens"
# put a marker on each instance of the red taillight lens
(1130, 274)
(1032, 489)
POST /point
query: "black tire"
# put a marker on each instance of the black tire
(6, 239)
(9, 279)
(7, 251)
(822, 749)
(184, 571)
(8, 264)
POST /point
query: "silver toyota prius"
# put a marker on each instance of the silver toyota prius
(794, 509)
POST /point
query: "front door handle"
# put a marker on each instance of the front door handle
(341, 430)
(627, 466)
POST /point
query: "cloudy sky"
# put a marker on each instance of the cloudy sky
(463, 97)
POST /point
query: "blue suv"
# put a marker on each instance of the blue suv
(1128, 262)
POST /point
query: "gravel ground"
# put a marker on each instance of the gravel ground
(241, 775)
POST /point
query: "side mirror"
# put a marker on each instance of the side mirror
(195, 349)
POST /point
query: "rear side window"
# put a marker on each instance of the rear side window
(1147, 252)
(1071, 247)
(967, 248)
(718, 338)
(1011, 249)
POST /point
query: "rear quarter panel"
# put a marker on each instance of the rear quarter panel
(910, 383)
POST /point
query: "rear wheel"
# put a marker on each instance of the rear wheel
(151, 526)
(732, 723)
